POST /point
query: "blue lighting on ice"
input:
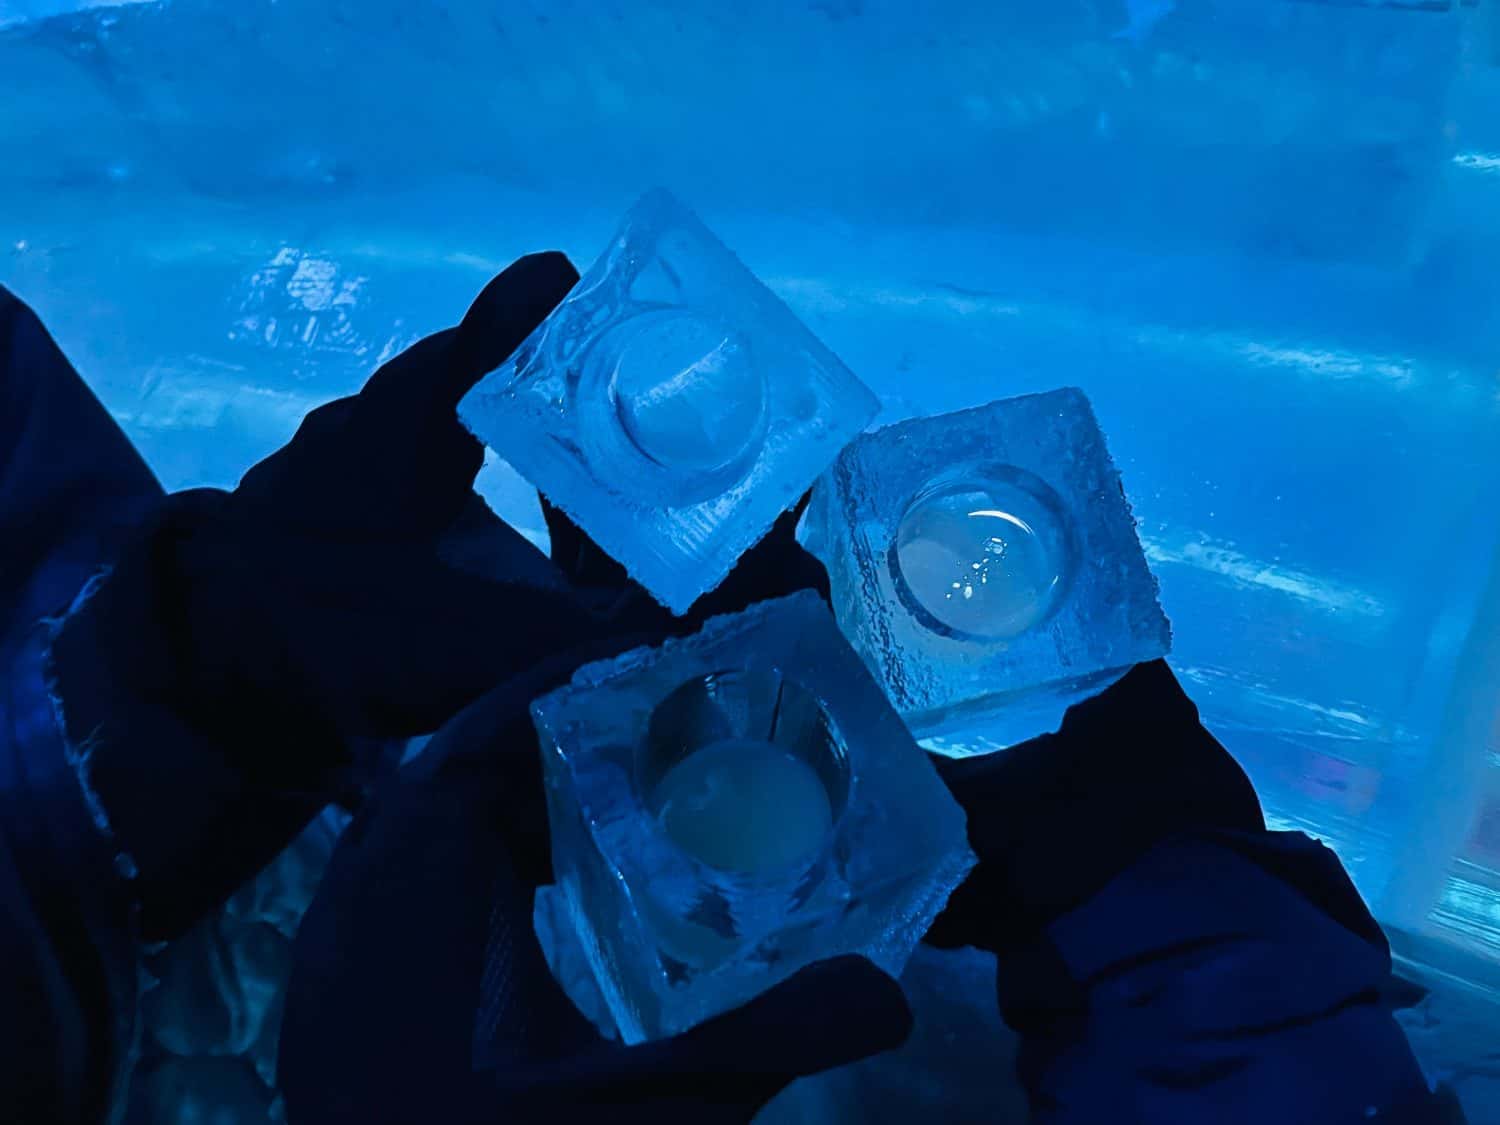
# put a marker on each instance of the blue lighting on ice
(1260, 235)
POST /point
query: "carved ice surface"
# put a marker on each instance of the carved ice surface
(729, 808)
(672, 405)
(985, 564)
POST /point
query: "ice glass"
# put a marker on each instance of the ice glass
(985, 565)
(672, 405)
(730, 807)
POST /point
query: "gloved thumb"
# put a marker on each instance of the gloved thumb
(829, 1014)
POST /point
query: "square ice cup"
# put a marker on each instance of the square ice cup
(731, 807)
(672, 405)
(986, 566)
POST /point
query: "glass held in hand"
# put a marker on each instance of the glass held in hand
(728, 808)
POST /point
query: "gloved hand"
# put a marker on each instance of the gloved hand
(247, 637)
(1055, 818)
(773, 568)
(1162, 956)
(431, 890)
(315, 592)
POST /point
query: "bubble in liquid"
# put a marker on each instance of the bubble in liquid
(986, 560)
(686, 393)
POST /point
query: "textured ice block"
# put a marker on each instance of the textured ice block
(730, 807)
(672, 405)
(985, 564)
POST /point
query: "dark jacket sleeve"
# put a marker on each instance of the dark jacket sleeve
(71, 485)
(69, 967)
(71, 489)
(1164, 958)
(93, 829)
(1232, 977)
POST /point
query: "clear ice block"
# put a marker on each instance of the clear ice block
(985, 565)
(729, 808)
(671, 405)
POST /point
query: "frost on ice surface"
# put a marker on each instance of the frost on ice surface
(672, 405)
(729, 808)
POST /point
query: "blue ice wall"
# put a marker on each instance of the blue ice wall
(1261, 234)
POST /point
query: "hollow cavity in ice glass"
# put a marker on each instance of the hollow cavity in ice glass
(685, 392)
(987, 560)
(744, 773)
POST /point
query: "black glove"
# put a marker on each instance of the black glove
(315, 592)
(1055, 818)
(427, 906)
(773, 568)
(1058, 819)
(219, 674)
